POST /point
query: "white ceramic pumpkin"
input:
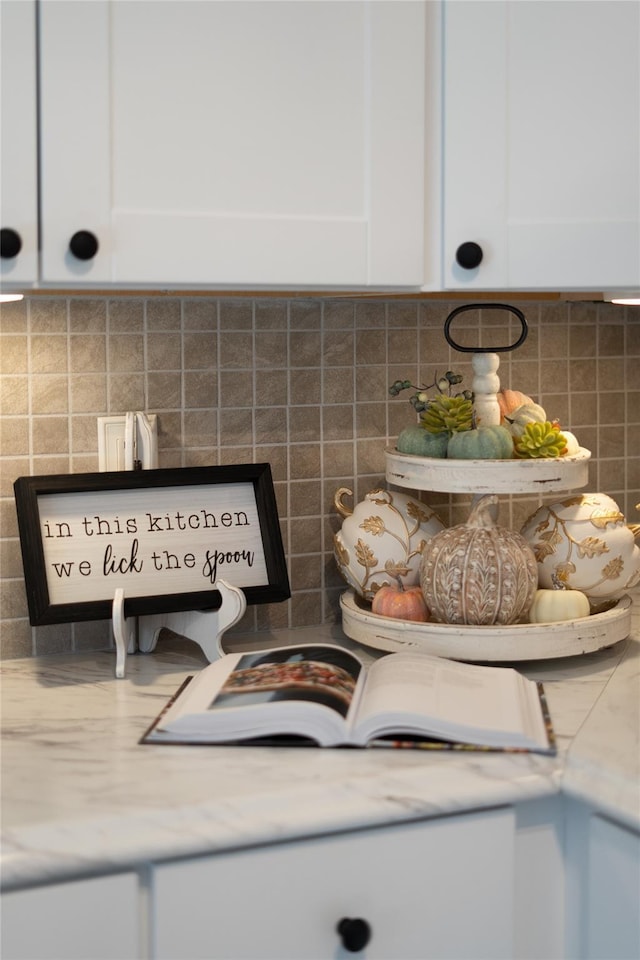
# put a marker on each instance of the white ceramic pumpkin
(583, 542)
(381, 541)
(478, 572)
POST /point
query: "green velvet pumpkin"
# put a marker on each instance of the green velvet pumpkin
(484, 443)
(415, 440)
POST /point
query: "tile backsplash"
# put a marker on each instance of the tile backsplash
(302, 383)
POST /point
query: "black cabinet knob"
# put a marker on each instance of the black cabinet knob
(10, 243)
(354, 933)
(469, 255)
(84, 245)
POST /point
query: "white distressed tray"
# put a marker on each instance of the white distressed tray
(505, 644)
(488, 476)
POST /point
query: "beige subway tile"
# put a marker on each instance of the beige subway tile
(84, 434)
(14, 436)
(50, 435)
(14, 395)
(306, 608)
(337, 385)
(276, 457)
(305, 572)
(271, 349)
(163, 314)
(87, 353)
(305, 386)
(49, 354)
(338, 315)
(126, 392)
(236, 427)
(84, 463)
(370, 457)
(554, 375)
(372, 385)
(583, 408)
(304, 424)
(304, 497)
(401, 313)
(305, 348)
(337, 421)
(611, 339)
(87, 316)
(304, 461)
(402, 346)
(305, 315)
(610, 374)
(236, 314)
(611, 441)
(371, 347)
(49, 393)
(200, 389)
(16, 639)
(200, 313)
(10, 558)
(13, 599)
(234, 455)
(54, 638)
(236, 388)
(164, 391)
(236, 351)
(126, 316)
(305, 534)
(580, 311)
(337, 349)
(200, 351)
(13, 354)
(8, 518)
(164, 351)
(525, 376)
(273, 616)
(271, 425)
(55, 464)
(370, 315)
(13, 316)
(611, 476)
(200, 428)
(169, 427)
(272, 388)
(632, 339)
(338, 459)
(48, 315)
(271, 314)
(88, 393)
(611, 407)
(371, 420)
(126, 353)
(10, 469)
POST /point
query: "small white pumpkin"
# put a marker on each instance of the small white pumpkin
(526, 413)
(573, 445)
(551, 606)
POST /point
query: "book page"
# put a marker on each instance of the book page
(446, 699)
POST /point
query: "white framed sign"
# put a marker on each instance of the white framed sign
(163, 536)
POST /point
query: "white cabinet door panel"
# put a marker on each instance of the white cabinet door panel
(18, 160)
(94, 919)
(225, 143)
(542, 143)
(440, 889)
(613, 907)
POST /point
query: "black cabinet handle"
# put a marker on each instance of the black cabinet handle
(10, 243)
(354, 933)
(84, 245)
(469, 255)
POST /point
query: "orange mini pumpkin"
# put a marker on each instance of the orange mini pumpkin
(401, 603)
(509, 400)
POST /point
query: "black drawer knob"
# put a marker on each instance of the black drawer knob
(10, 243)
(469, 255)
(354, 933)
(84, 245)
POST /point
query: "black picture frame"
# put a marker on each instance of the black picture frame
(57, 591)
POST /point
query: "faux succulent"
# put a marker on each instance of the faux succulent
(540, 440)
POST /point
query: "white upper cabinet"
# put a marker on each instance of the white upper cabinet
(233, 143)
(18, 143)
(541, 143)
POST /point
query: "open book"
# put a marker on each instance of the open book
(325, 695)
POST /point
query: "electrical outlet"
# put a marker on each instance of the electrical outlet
(111, 442)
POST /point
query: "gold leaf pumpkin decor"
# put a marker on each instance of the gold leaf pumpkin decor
(478, 572)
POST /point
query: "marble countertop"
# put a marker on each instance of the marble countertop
(81, 795)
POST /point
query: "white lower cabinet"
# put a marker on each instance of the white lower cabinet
(94, 919)
(437, 889)
(613, 911)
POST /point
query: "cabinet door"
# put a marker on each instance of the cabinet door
(225, 143)
(440, 889)
(82, 920)
(541, 143)
(18, 140)
(613, 906)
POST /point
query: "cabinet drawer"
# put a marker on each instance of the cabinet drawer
(93, 919)
(441, 889)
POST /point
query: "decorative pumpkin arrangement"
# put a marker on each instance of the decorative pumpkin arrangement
(478, 572)
(448, 426)
(401, 603)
